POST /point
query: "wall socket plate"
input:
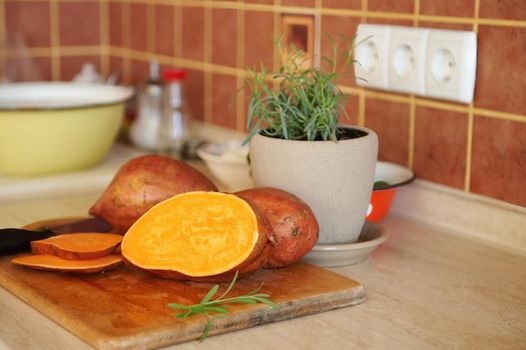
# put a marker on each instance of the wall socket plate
(427, 62)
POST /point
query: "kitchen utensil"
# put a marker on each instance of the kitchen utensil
(388, 178)
(127, 309)
(228, 163)
(15, 240)
(52, 127)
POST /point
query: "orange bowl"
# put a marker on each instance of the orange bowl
(388, 177)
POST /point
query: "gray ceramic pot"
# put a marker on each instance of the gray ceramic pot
(334, 178)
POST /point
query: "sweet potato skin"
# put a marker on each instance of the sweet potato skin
(143, 182)
(294, 229)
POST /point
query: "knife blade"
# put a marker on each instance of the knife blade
(16, 240)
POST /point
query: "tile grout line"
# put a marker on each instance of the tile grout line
(363, 10)
(125, 28)
(104, 37)
(412, 103)
(317, 34)
(3, 41)
(324, 11)
(384, 96)
(54, 13)
(277, 33)
(207, 33)
(361, 92)
(469, 136)
(361, 108)
(240, 61)
(337, 12)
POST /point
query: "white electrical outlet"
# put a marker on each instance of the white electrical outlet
(407, 67)
(371, 54)
(427, 62)
(451, 65)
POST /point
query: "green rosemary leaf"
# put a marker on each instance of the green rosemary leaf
(179, 306)
(265, 301)
(218, 305)
(219, 310)
(210, 294)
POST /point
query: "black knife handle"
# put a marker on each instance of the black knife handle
(15, 240)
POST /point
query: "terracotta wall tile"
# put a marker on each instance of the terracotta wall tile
(79, 23)
(44, 67)
(406, 6)
(440, 146)
(223, 104)
(164, 29)
(71, 65)
(343, 4)
(117, 66)
(27, 69)
(498, 166)
(224, 37)
(259, 38)
(459, 8)
(140, 72)
(505, 9)
(29, 21)
(390, 120)
(138, 36)
(334, 26)
(193, 33)
(194, 88)
(115, 23)
(501, 69)
(303, 3)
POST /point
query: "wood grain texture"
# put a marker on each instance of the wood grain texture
(127, 309)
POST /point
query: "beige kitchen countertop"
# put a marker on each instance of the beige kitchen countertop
(426, 289)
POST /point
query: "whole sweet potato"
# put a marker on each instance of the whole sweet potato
(143, 182)
(293, 227)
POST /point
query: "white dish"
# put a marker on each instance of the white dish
(336, 255)
(228, 164)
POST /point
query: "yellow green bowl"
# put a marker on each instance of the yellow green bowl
(54, 126)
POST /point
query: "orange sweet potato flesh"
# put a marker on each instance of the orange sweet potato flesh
(293, 229)
(143, 182)
(198, 236)
(55, 263)
(78, 246)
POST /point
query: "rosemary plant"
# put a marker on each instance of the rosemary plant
(217, 308)
(308, 102)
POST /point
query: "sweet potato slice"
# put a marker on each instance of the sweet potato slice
(195, 234)
(78, 246)
(55, 263)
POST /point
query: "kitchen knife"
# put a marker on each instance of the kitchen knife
(16, 240)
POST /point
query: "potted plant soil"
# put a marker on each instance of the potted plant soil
(297, 144)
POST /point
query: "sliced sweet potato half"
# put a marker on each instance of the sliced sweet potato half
(78, 246)
(196, 235)
(55, 263)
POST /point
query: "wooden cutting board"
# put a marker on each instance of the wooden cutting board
(127, 309)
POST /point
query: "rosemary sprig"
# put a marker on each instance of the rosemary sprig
(217, 308)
